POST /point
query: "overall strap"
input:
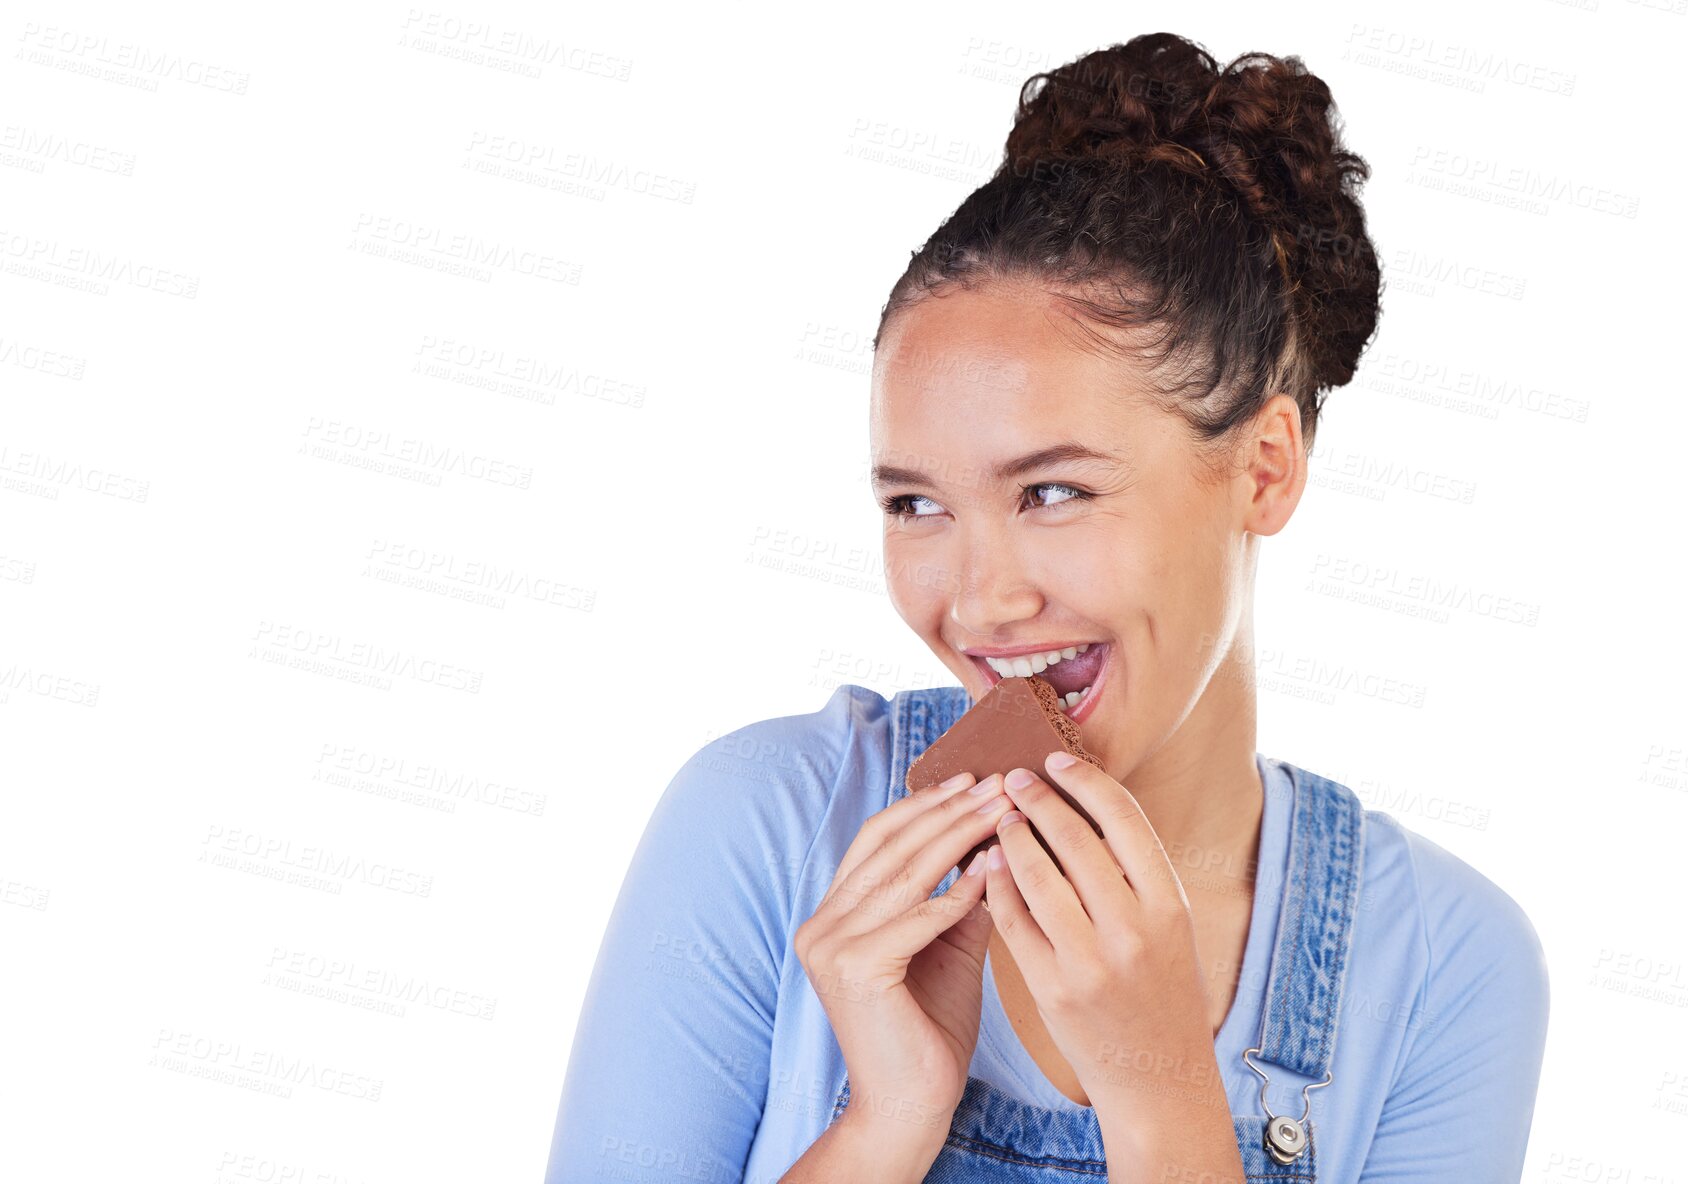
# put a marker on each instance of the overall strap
(918, 718)
(1315, 926)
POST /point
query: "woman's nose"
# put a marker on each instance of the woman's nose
(990, 592)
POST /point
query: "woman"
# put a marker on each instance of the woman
(1094, 391)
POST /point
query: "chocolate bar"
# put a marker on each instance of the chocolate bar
(1016, 725)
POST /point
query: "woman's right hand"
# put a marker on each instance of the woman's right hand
(901, 975)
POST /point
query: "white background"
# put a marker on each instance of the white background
(603, 499)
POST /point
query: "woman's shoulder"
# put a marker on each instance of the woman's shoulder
(811, 749)
(1445, 1009)
(775, 801)
(1462, 910)
(1463, 928)
(793, 777)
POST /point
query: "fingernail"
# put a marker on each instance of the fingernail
(989, 806)
(1009, 819)
(995, 857)
(955, 782)
(987, 785)
(1062, 760)
(1019, 779)
(973, 867)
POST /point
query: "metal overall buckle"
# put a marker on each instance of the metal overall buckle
(1286, 1137)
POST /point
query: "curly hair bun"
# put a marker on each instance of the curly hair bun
(1261, 126)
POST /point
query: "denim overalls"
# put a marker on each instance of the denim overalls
(998, 1139)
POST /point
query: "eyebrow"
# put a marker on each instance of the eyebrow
(1063, 453)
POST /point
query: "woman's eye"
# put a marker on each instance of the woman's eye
(898, 506)
(1076, 494)
(902, 506)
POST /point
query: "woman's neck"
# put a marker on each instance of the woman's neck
(1201, 791)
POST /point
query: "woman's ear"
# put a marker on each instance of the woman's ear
(1273, 467)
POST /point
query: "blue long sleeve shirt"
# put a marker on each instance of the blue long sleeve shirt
(702, 1053)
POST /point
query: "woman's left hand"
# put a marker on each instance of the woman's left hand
(1110, 960)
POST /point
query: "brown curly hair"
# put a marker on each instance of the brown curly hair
(1151, 190)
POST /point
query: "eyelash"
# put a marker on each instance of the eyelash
(896, 505)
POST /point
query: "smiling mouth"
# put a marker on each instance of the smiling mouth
(1074, 672)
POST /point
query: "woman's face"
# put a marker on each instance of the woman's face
(1142, 550)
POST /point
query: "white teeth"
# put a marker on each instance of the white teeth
(1071, 699)
(1026, 665)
